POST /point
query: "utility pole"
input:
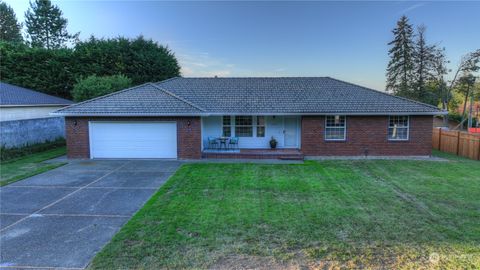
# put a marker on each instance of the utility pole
(470, 114)
(470, 122)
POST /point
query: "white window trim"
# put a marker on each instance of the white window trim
(344, 130)
(257, 125)
(408, 128)
(231, 125)
(253, 125)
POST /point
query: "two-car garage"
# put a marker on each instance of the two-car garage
(132, 139)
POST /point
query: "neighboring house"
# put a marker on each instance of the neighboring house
(317, 116)
(25, 116)
(21, 103)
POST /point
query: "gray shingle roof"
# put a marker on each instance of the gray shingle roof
(145, 99)
(11, 95)
(287, 95)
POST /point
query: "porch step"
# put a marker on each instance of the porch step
(257, 154)
(295, 157)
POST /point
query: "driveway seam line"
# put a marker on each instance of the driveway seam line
(55, 187)
(39, 267)
(64, 197)
(120, 188)
(33, 186)
(67, 215)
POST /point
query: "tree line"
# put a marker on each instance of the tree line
(52, 60)
(418, 70)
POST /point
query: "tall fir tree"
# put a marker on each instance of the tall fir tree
(10, 29)
(400, 66)
(46, 26)
(424, 67)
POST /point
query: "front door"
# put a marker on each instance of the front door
(290, 132)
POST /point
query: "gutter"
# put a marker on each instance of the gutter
(234, 114)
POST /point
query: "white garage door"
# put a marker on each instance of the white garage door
(133, 139)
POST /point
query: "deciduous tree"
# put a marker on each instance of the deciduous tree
(465, 86)
(94, 86)
(468, 64)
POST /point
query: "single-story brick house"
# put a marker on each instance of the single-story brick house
(308, 116)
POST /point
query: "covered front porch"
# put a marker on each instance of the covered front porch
(250, 135)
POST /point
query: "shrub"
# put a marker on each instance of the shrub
(94, 86)
(7, 154)
(458, 118)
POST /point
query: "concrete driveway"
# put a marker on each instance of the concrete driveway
(62, 218)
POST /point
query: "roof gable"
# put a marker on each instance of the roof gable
(145, 99)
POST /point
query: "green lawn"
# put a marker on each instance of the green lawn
(327, 214)
(30, 165)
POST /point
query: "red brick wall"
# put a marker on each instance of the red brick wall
(76, 134)
(188, 136)
(367, 134)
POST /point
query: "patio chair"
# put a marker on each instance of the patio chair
(233, 143)
(212, 141)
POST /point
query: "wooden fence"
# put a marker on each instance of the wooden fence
(459, 143)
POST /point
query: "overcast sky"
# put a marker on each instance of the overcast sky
(345, 40)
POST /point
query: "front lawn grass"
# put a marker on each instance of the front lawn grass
(380, 214)
(21, 168)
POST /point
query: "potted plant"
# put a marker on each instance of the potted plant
(273, 143)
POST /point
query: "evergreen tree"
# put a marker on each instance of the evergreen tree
(424, 67)
(10, 29)
(56, 71)
(400, 67)
(46, 25)
(48, 71)
(142, 60)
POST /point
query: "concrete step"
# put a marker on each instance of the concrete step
(292, 157)
(281, 156)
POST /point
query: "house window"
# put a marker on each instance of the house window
(260, 126)
(398, 128)
(227, 126)
(335, 128)
(244, 126)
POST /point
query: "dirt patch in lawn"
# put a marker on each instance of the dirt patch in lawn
(251, 262)
(241, 262)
